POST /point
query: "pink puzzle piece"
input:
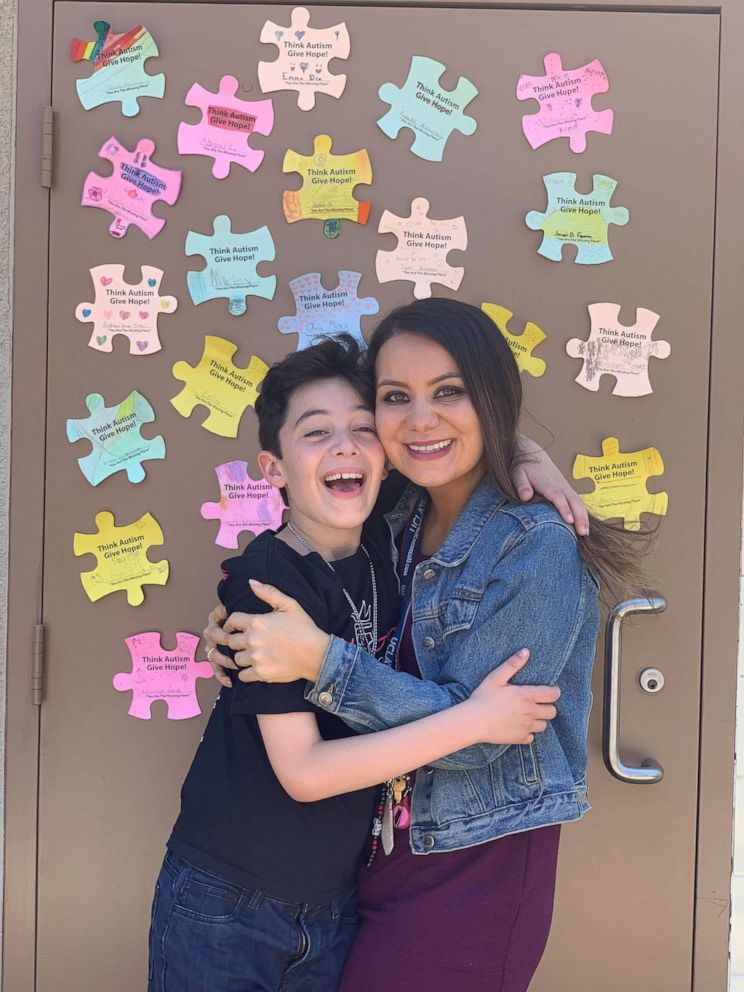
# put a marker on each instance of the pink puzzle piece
(245, 504)
(134, 186)
(565, 98)
(304, 54)
(226, 125)
(618, 349)
(131, 309)
(421, 255)
(160, 674)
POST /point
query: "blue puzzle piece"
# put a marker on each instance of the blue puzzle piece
(429, 111)
(114, 433)
(581, 219)
(327, 312)
(231, 265)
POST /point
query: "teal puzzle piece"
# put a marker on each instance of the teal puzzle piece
(575, 218)
(429, 111)
(231, 260)
(114, 433)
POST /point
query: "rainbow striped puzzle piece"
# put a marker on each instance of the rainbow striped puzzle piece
(118, 62)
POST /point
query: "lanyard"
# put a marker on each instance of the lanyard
(408, 549)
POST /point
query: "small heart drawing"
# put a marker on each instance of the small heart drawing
(144, 314)
(142, 345)
(152, 282)
(106, 281)
(299, 35)
(101, 339)
(124, 314)
(165, 304)
(86, 312)
(108, 314)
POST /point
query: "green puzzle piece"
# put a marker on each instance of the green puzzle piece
(575, 218)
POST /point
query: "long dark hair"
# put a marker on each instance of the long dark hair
(493, 384)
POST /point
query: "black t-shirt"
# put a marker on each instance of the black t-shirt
(236, 820)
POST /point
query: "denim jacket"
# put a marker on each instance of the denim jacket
(509, 575)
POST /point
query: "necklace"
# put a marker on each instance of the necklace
(365, 626)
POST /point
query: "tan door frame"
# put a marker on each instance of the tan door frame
(723, 514)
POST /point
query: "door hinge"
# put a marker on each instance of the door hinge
(47, 147)
(37, 665)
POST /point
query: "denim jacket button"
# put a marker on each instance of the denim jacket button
(428, 643)
(325, 698)
(428, 842)
(430, 573)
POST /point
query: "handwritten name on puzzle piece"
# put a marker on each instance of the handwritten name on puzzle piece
(114, 434)
(160, 674)
(132, 189)
(122, 558)
(129, 309)
(304, 55)
(227, 124)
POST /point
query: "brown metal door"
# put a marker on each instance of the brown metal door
(110, 782)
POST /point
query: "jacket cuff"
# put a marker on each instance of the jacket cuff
(328, 691)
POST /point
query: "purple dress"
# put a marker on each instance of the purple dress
(475, 920)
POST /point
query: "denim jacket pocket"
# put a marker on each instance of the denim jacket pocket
(528, 759)
(515, 776)
(455, 796)
(462, 606)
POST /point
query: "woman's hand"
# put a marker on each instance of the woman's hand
(536, 474)
(214, 635)
(282, 646)
(500, 713)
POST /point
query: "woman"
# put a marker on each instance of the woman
(481, 576)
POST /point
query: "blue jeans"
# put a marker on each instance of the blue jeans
(208, 935)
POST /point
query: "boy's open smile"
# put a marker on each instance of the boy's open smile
(345, 482)
(331, 464)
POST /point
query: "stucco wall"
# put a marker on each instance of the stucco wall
(736, 983)
(7, 144)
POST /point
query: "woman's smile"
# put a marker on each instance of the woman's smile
(429, 449)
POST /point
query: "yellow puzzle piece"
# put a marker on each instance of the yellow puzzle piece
(620, 483)
(218, 385)
(329, 182)
(522, 345)
(122, 558)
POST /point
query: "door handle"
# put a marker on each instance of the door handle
(650, 770)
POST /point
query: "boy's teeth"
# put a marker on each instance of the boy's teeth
(344, 475)
(429, 447)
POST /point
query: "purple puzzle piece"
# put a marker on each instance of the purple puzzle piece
(160, 674)
(245, 504)
(327, 312)
(226, 125)
(134, 185)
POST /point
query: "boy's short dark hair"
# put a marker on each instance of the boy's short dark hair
(332, 358)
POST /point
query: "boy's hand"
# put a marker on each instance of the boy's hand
(214, 635)
(510, 714)
(536, 473)
(282, 646)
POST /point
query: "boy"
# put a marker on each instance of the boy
(256, 892)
